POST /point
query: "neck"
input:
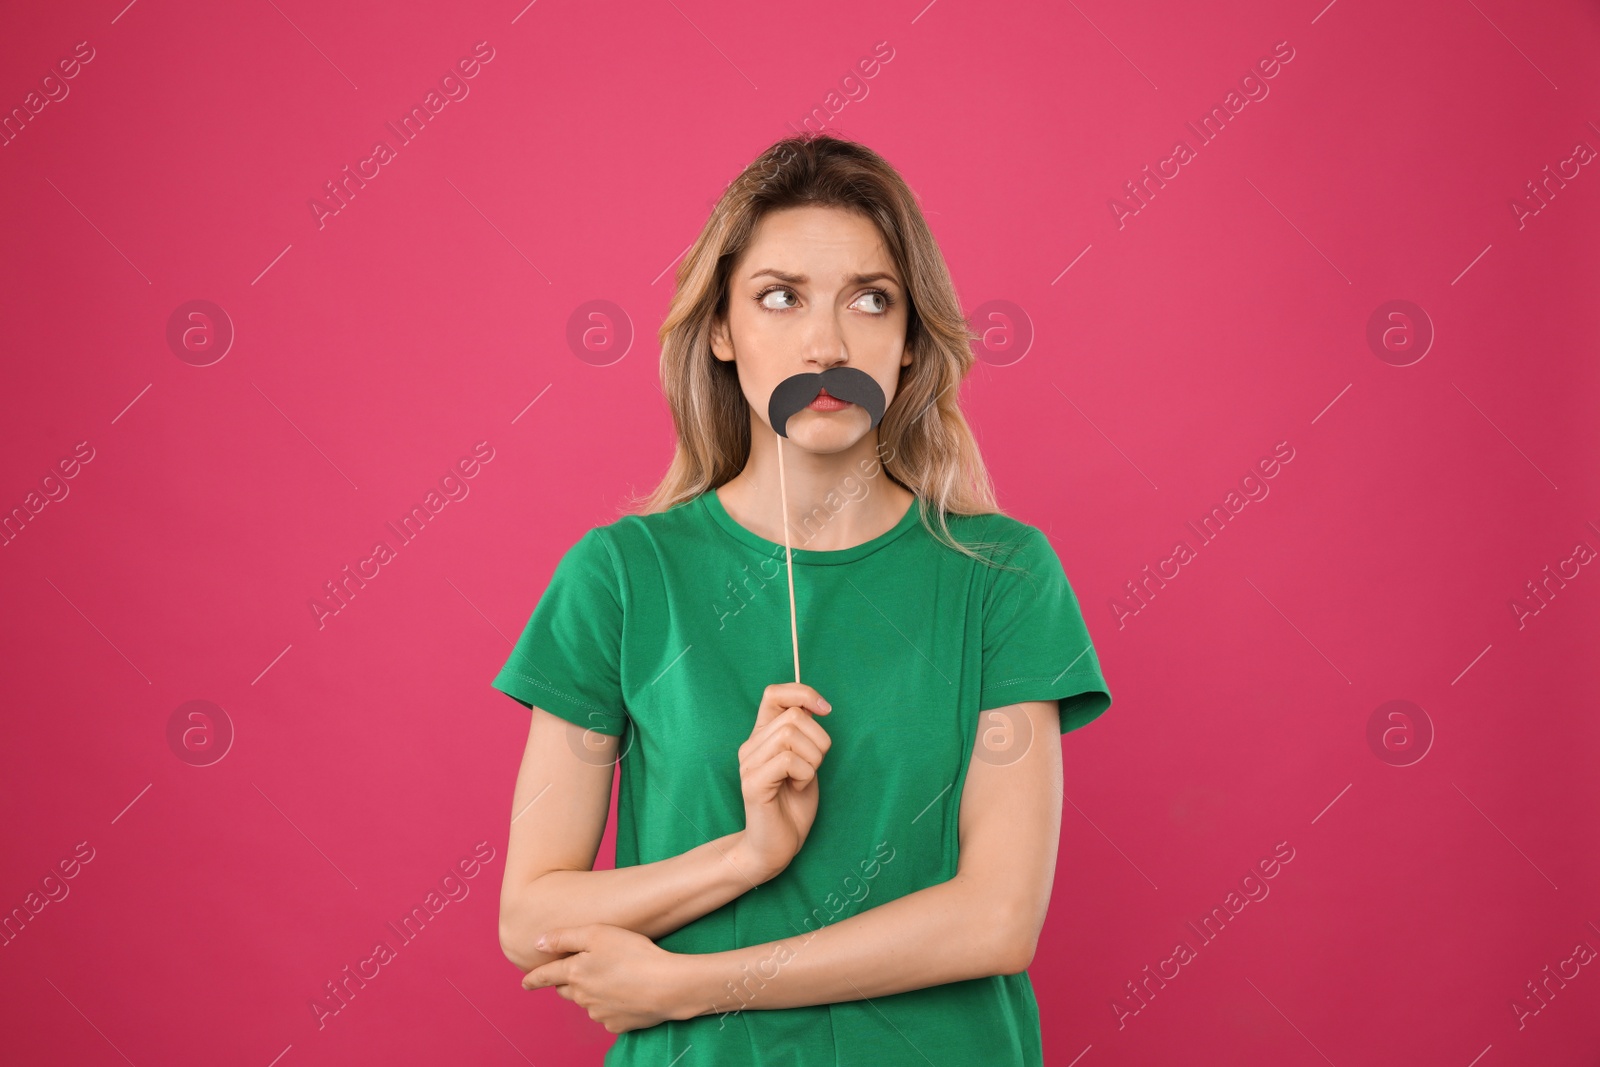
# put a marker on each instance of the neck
(835, 500)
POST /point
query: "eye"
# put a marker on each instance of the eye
(761, 297)
(885, 300)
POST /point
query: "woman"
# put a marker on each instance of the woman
(849, 870)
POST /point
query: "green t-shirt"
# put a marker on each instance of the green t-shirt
(666, 628)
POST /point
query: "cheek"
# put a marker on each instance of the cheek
(760, 338)
(764, 354)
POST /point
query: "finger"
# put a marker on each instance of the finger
(786, 741)
(552, 973)
(776, 698)
(782, 737)
(801, 719)
(764, 781)
(564, 939)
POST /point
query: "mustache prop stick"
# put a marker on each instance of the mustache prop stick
(792, 396)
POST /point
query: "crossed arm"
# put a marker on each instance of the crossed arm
(983, 921)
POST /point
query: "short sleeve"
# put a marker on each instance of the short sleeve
(1035, 643)
(568, 659)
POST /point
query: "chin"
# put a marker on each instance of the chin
(825, 434)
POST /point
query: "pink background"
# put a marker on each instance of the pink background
(1164, 357)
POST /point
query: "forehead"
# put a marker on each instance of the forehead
(814, 239)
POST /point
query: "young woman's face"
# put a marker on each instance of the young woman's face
(815, 288)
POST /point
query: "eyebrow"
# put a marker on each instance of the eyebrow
(801, 279)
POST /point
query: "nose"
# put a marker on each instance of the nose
(825, 349)
(822, 342)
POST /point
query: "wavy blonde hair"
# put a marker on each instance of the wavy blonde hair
(924, 441)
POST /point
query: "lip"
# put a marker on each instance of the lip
(824, 402)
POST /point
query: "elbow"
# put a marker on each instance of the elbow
(1014, 957)
(511, 940)
(1009, 940)
(518, 917)
(1015, 943)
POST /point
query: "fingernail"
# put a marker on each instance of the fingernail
(825, 705)
(539, 943)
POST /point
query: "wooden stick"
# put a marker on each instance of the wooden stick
(783, 498)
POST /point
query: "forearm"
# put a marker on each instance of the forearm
(652, 899)
(946, 933)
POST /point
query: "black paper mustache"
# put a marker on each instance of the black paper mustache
(795, 392)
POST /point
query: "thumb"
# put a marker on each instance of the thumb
(563, 939)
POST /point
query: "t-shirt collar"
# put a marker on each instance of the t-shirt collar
(711, 504)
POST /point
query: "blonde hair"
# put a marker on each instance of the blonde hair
(936, 457)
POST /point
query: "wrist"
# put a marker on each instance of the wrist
(694, 992)
(750, 871)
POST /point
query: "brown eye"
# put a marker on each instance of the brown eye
(885, 301)
(762, 300)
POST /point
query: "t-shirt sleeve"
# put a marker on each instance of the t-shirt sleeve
(1035, 643)
(568, 659)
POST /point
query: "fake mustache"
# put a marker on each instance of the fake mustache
(795, 392)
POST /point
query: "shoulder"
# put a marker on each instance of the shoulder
(992, 525)
(1021, 559)
(998, 536)
(632, 534)
(637, 543)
